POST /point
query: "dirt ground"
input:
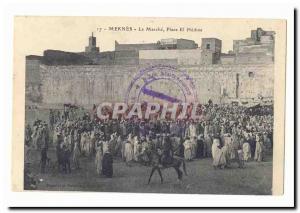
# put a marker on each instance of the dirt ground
(255, 178)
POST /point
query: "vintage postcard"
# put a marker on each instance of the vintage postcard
(149, 105)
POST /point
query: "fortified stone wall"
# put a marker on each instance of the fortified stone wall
(93, 84)
(85, 85)
(33, 69)
(149, 62)
(183, 57)
(33, 80)
(223, 82)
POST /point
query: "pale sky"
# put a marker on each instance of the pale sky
(35, 34)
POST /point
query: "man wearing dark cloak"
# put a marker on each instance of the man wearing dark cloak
(167, 155)
(107, 165)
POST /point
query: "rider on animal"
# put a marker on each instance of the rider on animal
(167, 154)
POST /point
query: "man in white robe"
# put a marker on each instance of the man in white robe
(229, 143)
(246, 149)
(191, 131)
(99, 157)
(128, 149)
(75, 157)
(218, 154)
(187, 149)
(193, 147)
(259, 150)
(136, 148)
(83, 142)
(87, 145)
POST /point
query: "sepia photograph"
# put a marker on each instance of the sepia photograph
(182, 107)
(148, 108)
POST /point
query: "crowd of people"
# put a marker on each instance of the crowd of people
(224, 133)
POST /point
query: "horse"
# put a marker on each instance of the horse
(175, 163)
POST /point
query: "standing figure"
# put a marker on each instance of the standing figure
(267, 142)
(83, 142)
(99, 157)
(200, 146)
(107, 164)
(194, 146)
(123, 149)
(230, 146)
(66, 158)
(59, 152)
(218, 154)
(187, 149)
(252, 144)
(246, 150)
(44, 159)
(208, 144)
(259, 150)
(128, 150)
(180, 149)
(76, 154)
(167, 155)
(191, 130)
(28, 134)
(136, 148)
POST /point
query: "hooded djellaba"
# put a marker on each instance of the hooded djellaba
(107, 164)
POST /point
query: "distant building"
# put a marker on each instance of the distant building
(211, 49)
(259, 48)
(135, 47)
(92, 48)
(180, 44)
(163, 44)
(57, 57)
(239, 74)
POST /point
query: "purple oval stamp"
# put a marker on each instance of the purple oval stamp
(161, 84)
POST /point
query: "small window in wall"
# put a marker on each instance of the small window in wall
(207, 46)
(251, 74)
